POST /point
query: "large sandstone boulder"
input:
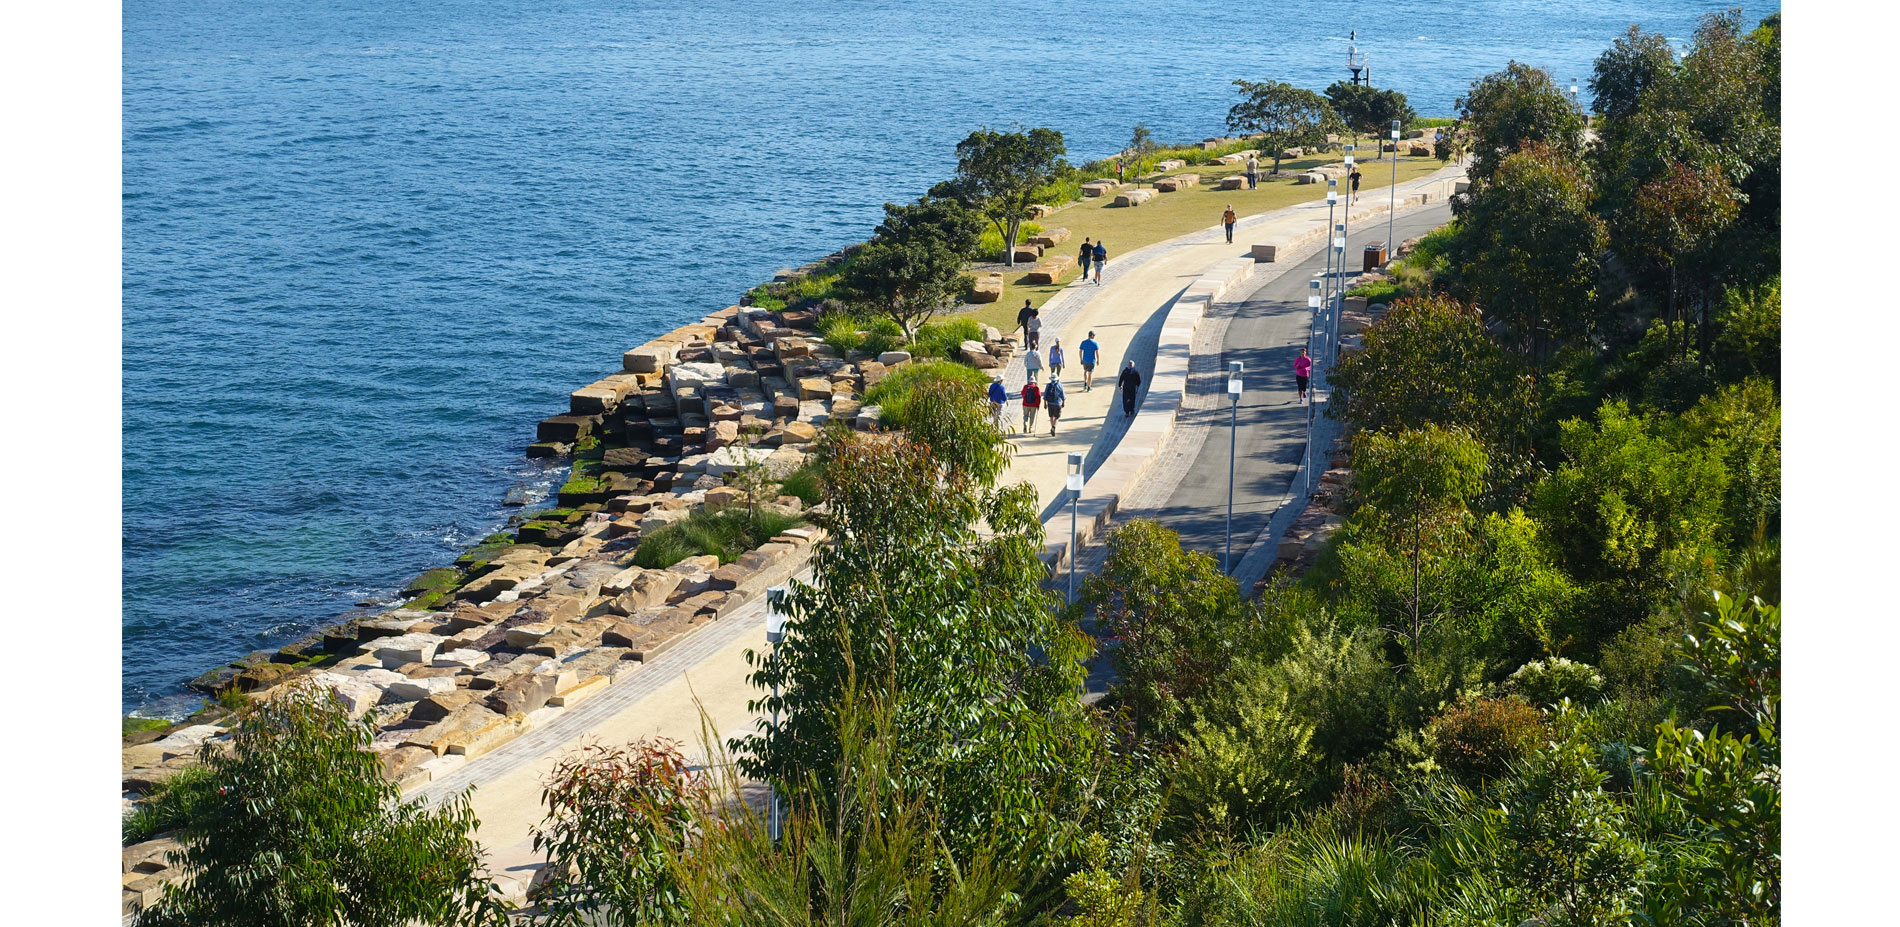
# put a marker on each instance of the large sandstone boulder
(893, 358)
(811, 388)
(1174, 184)
(412, 688)
(523, 694)
(1050, 238)
(406, 648)
(1025, 252)
(734, 457)
(1134, 197)
(695, 376)
(1099, 187)
(359, 695)
(650, 358)
(1234, 182)
(1265, 253)
(1052, 269)
(987, 288)
(1171, 164)
(648, 588)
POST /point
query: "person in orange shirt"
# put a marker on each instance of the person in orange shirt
(1228, 218)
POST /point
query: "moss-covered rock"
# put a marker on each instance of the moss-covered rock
(432, 581)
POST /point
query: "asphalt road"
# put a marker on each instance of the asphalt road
(1266, 334)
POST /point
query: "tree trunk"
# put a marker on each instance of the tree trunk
(1009, 242)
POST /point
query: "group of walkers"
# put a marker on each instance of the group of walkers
(1094, 252)
(1037, 397)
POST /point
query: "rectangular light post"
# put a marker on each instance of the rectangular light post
(1332, 201)
(1347, 233)
(1339, 248)
(1075, 498)
(1233, 443)
(1392, 211)
(775, 620)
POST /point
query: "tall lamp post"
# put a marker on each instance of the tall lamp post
(1332, 202)
(775, 619)
(1339, 248)
(1075, 498)
(1392, 211)
(1347, 216)
(1233, 442)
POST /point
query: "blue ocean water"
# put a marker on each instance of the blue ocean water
(367, 244)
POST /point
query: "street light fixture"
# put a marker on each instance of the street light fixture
(1332, 202)
(775, 620)
(1348, 223)
(1392, 211)
(1075, 498)
(1233, 441)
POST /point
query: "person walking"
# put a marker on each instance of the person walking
(998, 398)
(1101, 261)
(1228, 219)
(1053, 396)
(1035, 329)
(1253, 172)
(1032, 362)
(1032, 401)
(1302, 372)
(1056, 358)
(1118, 170)
(1089, 350)
(1022, 319)
(1130, 383)
(1355, 183)
(1084, 256)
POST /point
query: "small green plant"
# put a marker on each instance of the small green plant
(1547, 682)
(841, 332)
(940, 339)
(893, 393)
(1482, 738)
(806, 482)
(168, 806)
(989, 247)
(132, 725)
(725, 534)
(1383, 291)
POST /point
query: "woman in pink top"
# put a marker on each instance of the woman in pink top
(1302, 371)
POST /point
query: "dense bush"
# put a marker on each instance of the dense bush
(940, 339)
(1547, 682)
(892, 395)
(1482, 738)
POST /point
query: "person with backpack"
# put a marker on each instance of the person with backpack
(1084, 256)
(1228, 219)
(1032, 400)
(1130, 383)
(1053, 396)
(1101, 261)
(1055, 358)
(999, 396)
(1089, 351)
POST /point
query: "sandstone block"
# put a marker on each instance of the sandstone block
(405, 648)
(586, 688)
(976, 357)
(1174, 184)
(987, 288)
(650, 358)
(814, 388)
(1050, 238)
(1134, 197)
(647, 589)
(1099, 187)
(440, 705)
(734, 457)
(1052, 269)
(1025, 252)
(1171, 164)
(1235, 182)
(523, 694)
(412, 689)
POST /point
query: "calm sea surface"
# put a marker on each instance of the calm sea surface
(369, 243)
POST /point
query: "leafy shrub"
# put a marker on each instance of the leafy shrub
(616, 817)
(1480, 739)
(1252, 767)
(893, 393)
(1547, 682)
(989, 247)
(841, 332)
(806, 483)
(725, 534)
(1383, 291)
(940, 339)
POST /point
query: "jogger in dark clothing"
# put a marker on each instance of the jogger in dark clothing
(1084, 256)
(1130, 382)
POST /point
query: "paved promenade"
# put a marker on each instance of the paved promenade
(706, 672)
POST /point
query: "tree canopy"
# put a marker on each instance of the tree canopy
(1002, 174)
(1368, 110)
(913, 266)
(1507, 108)
(1287, 116)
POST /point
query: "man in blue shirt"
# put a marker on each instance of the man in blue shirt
(1089, 349)
(999, 397)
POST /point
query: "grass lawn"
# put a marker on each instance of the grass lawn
(1170, 215)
